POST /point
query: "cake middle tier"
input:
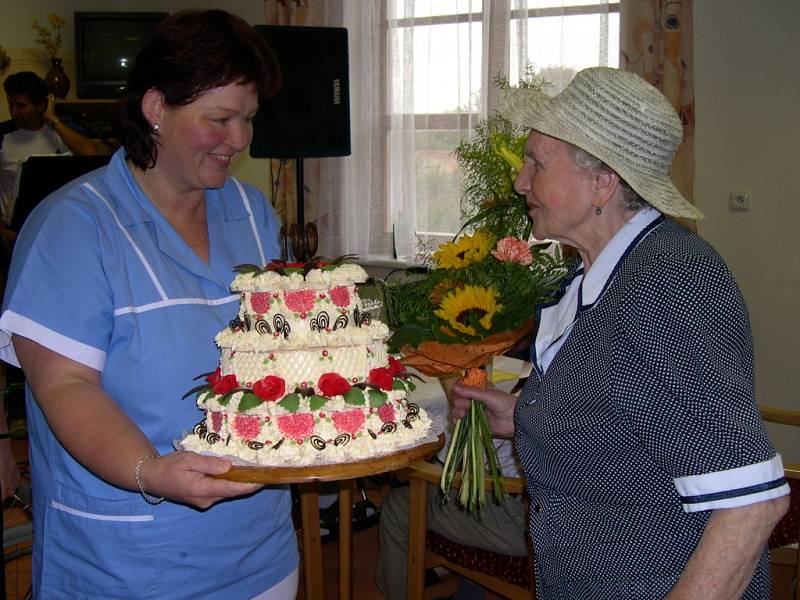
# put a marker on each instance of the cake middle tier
(302, 367)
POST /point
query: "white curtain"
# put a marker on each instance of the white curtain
(421, 75)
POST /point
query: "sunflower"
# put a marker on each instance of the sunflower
(467, 250)
(458, 306)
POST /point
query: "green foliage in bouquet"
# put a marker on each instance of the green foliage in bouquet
(489, 162)
(478, 287)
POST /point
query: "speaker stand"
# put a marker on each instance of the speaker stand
(299, 178)
(302, 237)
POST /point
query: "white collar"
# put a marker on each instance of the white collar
(595, 279)
(556, 320)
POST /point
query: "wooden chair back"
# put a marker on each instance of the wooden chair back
(426, 551)
(784, 543)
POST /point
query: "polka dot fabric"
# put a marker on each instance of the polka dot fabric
(654, 383)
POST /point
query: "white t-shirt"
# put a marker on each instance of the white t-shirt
(17, 146)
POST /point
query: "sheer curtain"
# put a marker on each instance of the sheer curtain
(421, 76)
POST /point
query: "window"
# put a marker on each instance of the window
(422, 76)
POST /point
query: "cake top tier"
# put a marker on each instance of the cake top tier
(286, 277)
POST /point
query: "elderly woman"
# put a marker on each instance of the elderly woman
(649, 472)
(118, 285)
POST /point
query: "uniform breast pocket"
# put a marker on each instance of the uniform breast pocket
(96, 548)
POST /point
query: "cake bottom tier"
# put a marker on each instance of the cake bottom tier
(304, 438)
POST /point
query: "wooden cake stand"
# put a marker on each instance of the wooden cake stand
(308, 478)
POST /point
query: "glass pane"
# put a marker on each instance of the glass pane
(559, 47)
(438, 190)
(560, 3)
(445, 75)
(401, 9)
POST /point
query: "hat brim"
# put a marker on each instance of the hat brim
(542, 113)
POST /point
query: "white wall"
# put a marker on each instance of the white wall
(747, 89)
(17, 37)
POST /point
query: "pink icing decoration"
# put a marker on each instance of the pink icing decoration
(300, 300)
(247, 426)
(348, 421)
(296, 426)
(216, 421)
(260, 302)
(386, 413)
(340, 296)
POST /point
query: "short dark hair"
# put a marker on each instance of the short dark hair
(190, 52)
(26, 82)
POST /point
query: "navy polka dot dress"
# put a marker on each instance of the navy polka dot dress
(654, 384)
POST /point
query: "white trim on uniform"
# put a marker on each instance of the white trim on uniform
(14, 323)
(97, 517)
(735, 487)
(249, 210)
(174, 302)
(150, 272)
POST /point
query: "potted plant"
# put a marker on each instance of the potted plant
(50, 37)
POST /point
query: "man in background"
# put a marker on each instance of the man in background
(34, 128)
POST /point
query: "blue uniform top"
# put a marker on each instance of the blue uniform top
(99, 276)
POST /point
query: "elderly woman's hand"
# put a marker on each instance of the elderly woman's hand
(499, 406)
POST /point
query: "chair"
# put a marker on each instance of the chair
(784, 543)
(508, 576)
(42, 175)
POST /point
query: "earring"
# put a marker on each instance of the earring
(155, 126)
(598, 211)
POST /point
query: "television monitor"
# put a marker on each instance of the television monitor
(106, 45)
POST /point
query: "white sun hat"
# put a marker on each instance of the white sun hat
(617, 117)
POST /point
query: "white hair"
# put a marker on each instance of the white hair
(631, 200)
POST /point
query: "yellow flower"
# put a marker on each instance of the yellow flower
(457, 307)
(466, 250)
(513, 161)
(50, 38)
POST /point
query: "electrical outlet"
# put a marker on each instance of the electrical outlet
(739, 201)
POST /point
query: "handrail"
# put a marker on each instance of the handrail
(779, 415)
(432, 473)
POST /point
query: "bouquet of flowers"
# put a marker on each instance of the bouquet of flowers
(475, 303)
(475, 297)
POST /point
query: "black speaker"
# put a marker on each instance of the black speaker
(310, 115)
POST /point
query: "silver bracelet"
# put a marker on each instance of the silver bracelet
(137, 472)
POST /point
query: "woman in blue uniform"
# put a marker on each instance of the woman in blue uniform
(118, 285)
(649, 472)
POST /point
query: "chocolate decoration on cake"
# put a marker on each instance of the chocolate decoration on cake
(372, 434)
(317, 442)
(247, 324)
(262, 327)
(236, 325)
(413, 410)
(254, 445)
(212, 438)
(361, 318)
(281, 325)
(200, 429)
(341, 440)
(320, 322)
(389, 427)
(407, 424)
(340, 322)
(277, 444)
